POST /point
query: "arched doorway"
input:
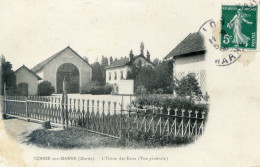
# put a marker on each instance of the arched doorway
(71, 73)
(22, 89)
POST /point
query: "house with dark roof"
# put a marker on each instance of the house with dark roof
(65, 64)
(189, 58)
(118, 69)
(26, 81)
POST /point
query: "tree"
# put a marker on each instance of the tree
(155, 79)
(156, 61)
(189, 86)
(97, 73)
(86, 59)
(104, 61)
(164, 77)
(143, 76)
(8, 76)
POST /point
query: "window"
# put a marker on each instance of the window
(115, 75)
(122, 75)
(109, 76)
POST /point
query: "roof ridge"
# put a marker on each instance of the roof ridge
(40, 65)
(193, 42)
(39, 78)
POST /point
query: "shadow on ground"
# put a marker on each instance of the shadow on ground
(72, 138)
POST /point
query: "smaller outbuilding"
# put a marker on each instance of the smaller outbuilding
(26, 81)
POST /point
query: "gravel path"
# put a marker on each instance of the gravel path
(19, 129)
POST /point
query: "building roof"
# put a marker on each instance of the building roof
(23, 66)
(46, 61)
(193, 43)
(126, 61)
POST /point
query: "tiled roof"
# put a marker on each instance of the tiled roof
(23, 66)
(126, 61)
(194, 42)
(118, 63)
(46, 61)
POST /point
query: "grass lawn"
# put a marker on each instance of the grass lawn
(71, 138)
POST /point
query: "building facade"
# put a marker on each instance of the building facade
(118, 70)
(65, 64)
(26, 81)
(189, 58)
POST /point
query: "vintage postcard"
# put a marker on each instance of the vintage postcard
(129, 83)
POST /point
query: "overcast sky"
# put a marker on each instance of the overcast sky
(32, 31)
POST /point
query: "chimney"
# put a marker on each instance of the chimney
(110, 60)
(142, 48)
(131, 56)
(148, 56)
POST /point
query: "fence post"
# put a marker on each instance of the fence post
(168, 120)
(63, 101)
(182, 121)
(122, 102)
(121, 114)
(128, 122)
(145, 117)
(4, 101)
(153, 116)
(98, 118)
(196, 126)
(103, 116)
(175, 122)
(202, 123)
(88, 114)
(66, 110)
(161, 120)
(26, 108)
(83, 113)
(189, 120)
(109, 116)
(62, 111)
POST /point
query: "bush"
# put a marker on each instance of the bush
(166, 101)
(95, 88)
(188, 86)
(45, 89)
(108, 88)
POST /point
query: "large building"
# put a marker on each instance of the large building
(118, 69)
(65, 64)
(189, 58)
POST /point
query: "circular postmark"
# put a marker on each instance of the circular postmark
(225, 56)
(232, 40)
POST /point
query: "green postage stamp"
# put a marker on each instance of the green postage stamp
(239, 27)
